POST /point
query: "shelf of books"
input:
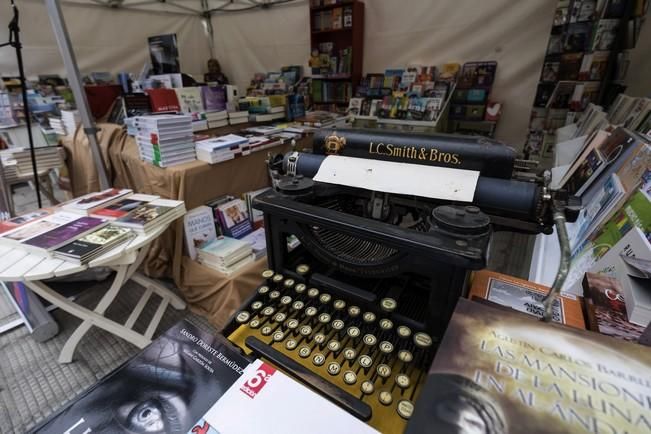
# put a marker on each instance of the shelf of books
(337, 44)
(586, 62)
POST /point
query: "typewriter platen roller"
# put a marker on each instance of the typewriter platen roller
(355, 309)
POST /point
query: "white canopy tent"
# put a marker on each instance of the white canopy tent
(260, 35)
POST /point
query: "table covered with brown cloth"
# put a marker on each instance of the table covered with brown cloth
(206, 291)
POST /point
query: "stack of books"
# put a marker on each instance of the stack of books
(149, 217)
(218, 149)
(47, 157)
(199, 125)
(70, 120)
(238, 117)
(92, 202)
(57, 125)
(216, 119)
(22, 220)
(258, 242)
(226, 255)
(165, 140)
(91, 246)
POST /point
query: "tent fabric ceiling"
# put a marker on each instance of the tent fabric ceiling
(183, 7)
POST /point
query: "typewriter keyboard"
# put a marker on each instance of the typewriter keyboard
(362, 359)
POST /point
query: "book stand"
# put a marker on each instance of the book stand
(19, 265)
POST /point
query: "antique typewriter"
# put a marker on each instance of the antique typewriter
(356, 310)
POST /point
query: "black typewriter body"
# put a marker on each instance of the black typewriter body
(356, 307)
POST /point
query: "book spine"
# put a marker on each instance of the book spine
(490, 158)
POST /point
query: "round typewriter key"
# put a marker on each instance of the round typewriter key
(280, 317)
(388, 304)
(319, 338)
(386, 324)
(242, 317)
(318, 359)
(268, 274)
(369, 339)
(353, 332)
(402, 381)
(285, 300)
(274, 295)
(324, 318)
(334, 346)
(311, 311)
(350, 378)
(405, 356)
(289, 283)
(256, 305)
(365, 361)
(263, 290)
(403, 331)
(298, 305)
(290, 344)
(354, 311)
(385, 398)
(368, 317)
(305, 330)
(254, 324)
(367, 387)
(339, 304)
(277, 278)
(304, 352)
(350, 353)
(386, 347)
(278, 336)
(337, 324)
(300, 288)
(383, 370)
(292, 324)
(266, 330)
(405, 408)
(303, 269)
(334, 368)
(268, 311)
(422, 340)
(312, 292)
(325, 298)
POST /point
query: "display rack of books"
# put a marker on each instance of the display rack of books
(415, 97)
(586, 62)
(337, 50)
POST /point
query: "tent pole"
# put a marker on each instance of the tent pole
(74, 80)
(206, 17)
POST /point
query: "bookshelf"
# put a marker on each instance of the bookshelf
(336, 52)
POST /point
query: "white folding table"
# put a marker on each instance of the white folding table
(19, 265)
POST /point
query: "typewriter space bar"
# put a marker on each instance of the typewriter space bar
(345, 400)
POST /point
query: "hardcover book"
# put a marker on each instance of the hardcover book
(500, 371)
(57, 237)
(163, 101)
(166, 388)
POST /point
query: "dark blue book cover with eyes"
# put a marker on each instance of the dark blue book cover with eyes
(166, 388)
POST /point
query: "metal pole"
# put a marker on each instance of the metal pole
(14, 41)
(74, 80)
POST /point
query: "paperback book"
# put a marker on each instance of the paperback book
(89, 247)
(22, 220)
(35, 228)
(60, 236)
(169, 385)
(199, 229)
(91, 202)
(152, 215)
(123, 207)
(234, 219)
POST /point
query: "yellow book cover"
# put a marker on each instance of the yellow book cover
(500, 371)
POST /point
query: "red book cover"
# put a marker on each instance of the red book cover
(163, 100)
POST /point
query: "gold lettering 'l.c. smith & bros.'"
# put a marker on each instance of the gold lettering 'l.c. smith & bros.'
(413, 153)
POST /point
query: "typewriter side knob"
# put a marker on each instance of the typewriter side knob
(465, 220)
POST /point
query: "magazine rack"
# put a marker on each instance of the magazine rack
(19, 265)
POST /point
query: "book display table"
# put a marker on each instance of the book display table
(19, 265)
